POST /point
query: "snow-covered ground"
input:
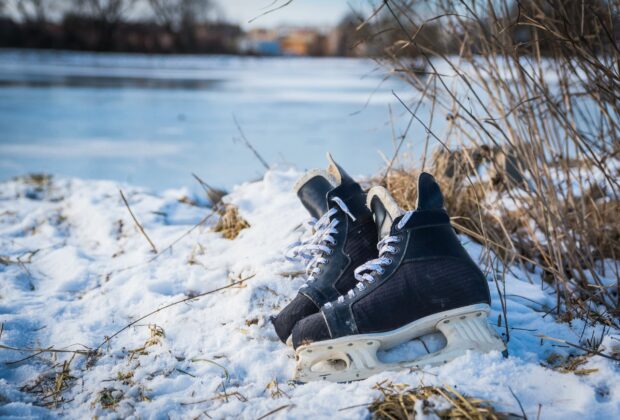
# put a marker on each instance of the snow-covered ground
(74, 269)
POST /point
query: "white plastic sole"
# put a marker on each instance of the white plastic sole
(353, 358)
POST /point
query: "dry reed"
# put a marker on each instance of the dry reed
(528, 159)
(230, 223)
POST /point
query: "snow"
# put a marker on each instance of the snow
(76, 270)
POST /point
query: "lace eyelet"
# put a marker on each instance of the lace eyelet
(396, 250)
(390, 261)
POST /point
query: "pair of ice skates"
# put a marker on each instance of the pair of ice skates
(357, 302)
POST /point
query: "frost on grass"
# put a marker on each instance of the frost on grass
(75, 270)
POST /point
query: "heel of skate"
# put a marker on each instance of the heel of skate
(355, 357)
(338, 362)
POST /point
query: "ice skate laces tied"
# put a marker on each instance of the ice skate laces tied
(364, 273)
(318, 241)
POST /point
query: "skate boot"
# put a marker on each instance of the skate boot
(343, 237)
(423, 282)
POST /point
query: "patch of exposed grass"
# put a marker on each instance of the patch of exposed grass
(50, 386)
(399, 401)
(231, 222)
(155, 337)
(570, 364)
(109, 398)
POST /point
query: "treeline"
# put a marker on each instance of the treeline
(430, 26)
(192, 26)
(151, 26)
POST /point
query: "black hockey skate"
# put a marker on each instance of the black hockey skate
(423, 281)
(343, 237)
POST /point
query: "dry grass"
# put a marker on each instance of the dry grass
(230, 222)
(528, 156)
(50, 386)
(156, 334)
(569, 364)
(399, 401)
(109, 398)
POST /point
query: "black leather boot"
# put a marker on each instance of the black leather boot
(423, 276)
(344, 236)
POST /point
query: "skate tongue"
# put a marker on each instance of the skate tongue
(429, 194)
(384, 208)
(312, 189)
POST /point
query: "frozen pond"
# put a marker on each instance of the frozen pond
(153, 120)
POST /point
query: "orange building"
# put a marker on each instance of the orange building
(303, 42)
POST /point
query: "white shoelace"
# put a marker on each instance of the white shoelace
(364, 272)
(315, 244)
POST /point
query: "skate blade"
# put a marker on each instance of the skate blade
(354, 358)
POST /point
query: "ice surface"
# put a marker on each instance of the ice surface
(77, 270)
(154, 119)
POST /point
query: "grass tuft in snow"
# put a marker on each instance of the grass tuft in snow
(156, 335)
(569, 364)
(48, 388)
(399, 401)
(230, 223)
(109, 398)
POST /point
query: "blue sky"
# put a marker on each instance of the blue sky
(299, 12)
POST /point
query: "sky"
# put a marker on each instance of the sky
(298, 12)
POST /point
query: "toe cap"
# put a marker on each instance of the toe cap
(299, 308)
(310, 329)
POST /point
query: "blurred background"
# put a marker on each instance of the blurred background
(149, 91)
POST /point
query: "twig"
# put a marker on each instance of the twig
(40, 351)
(213, 194)
(14, 362)
(137, 223)
(577, 346)
(275, 411)
(249, 145)
(185, 372)
(518, 402)
(271, 10)
(200, 223)
(107, 339)
(226, 374)
(355, 406)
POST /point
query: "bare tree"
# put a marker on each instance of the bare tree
(109, 11)
(107, 17)
(180, 17)
(177, 14)
(32, 10)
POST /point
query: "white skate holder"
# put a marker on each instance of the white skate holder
(355, 357)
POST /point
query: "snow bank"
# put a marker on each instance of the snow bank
(75, 269)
